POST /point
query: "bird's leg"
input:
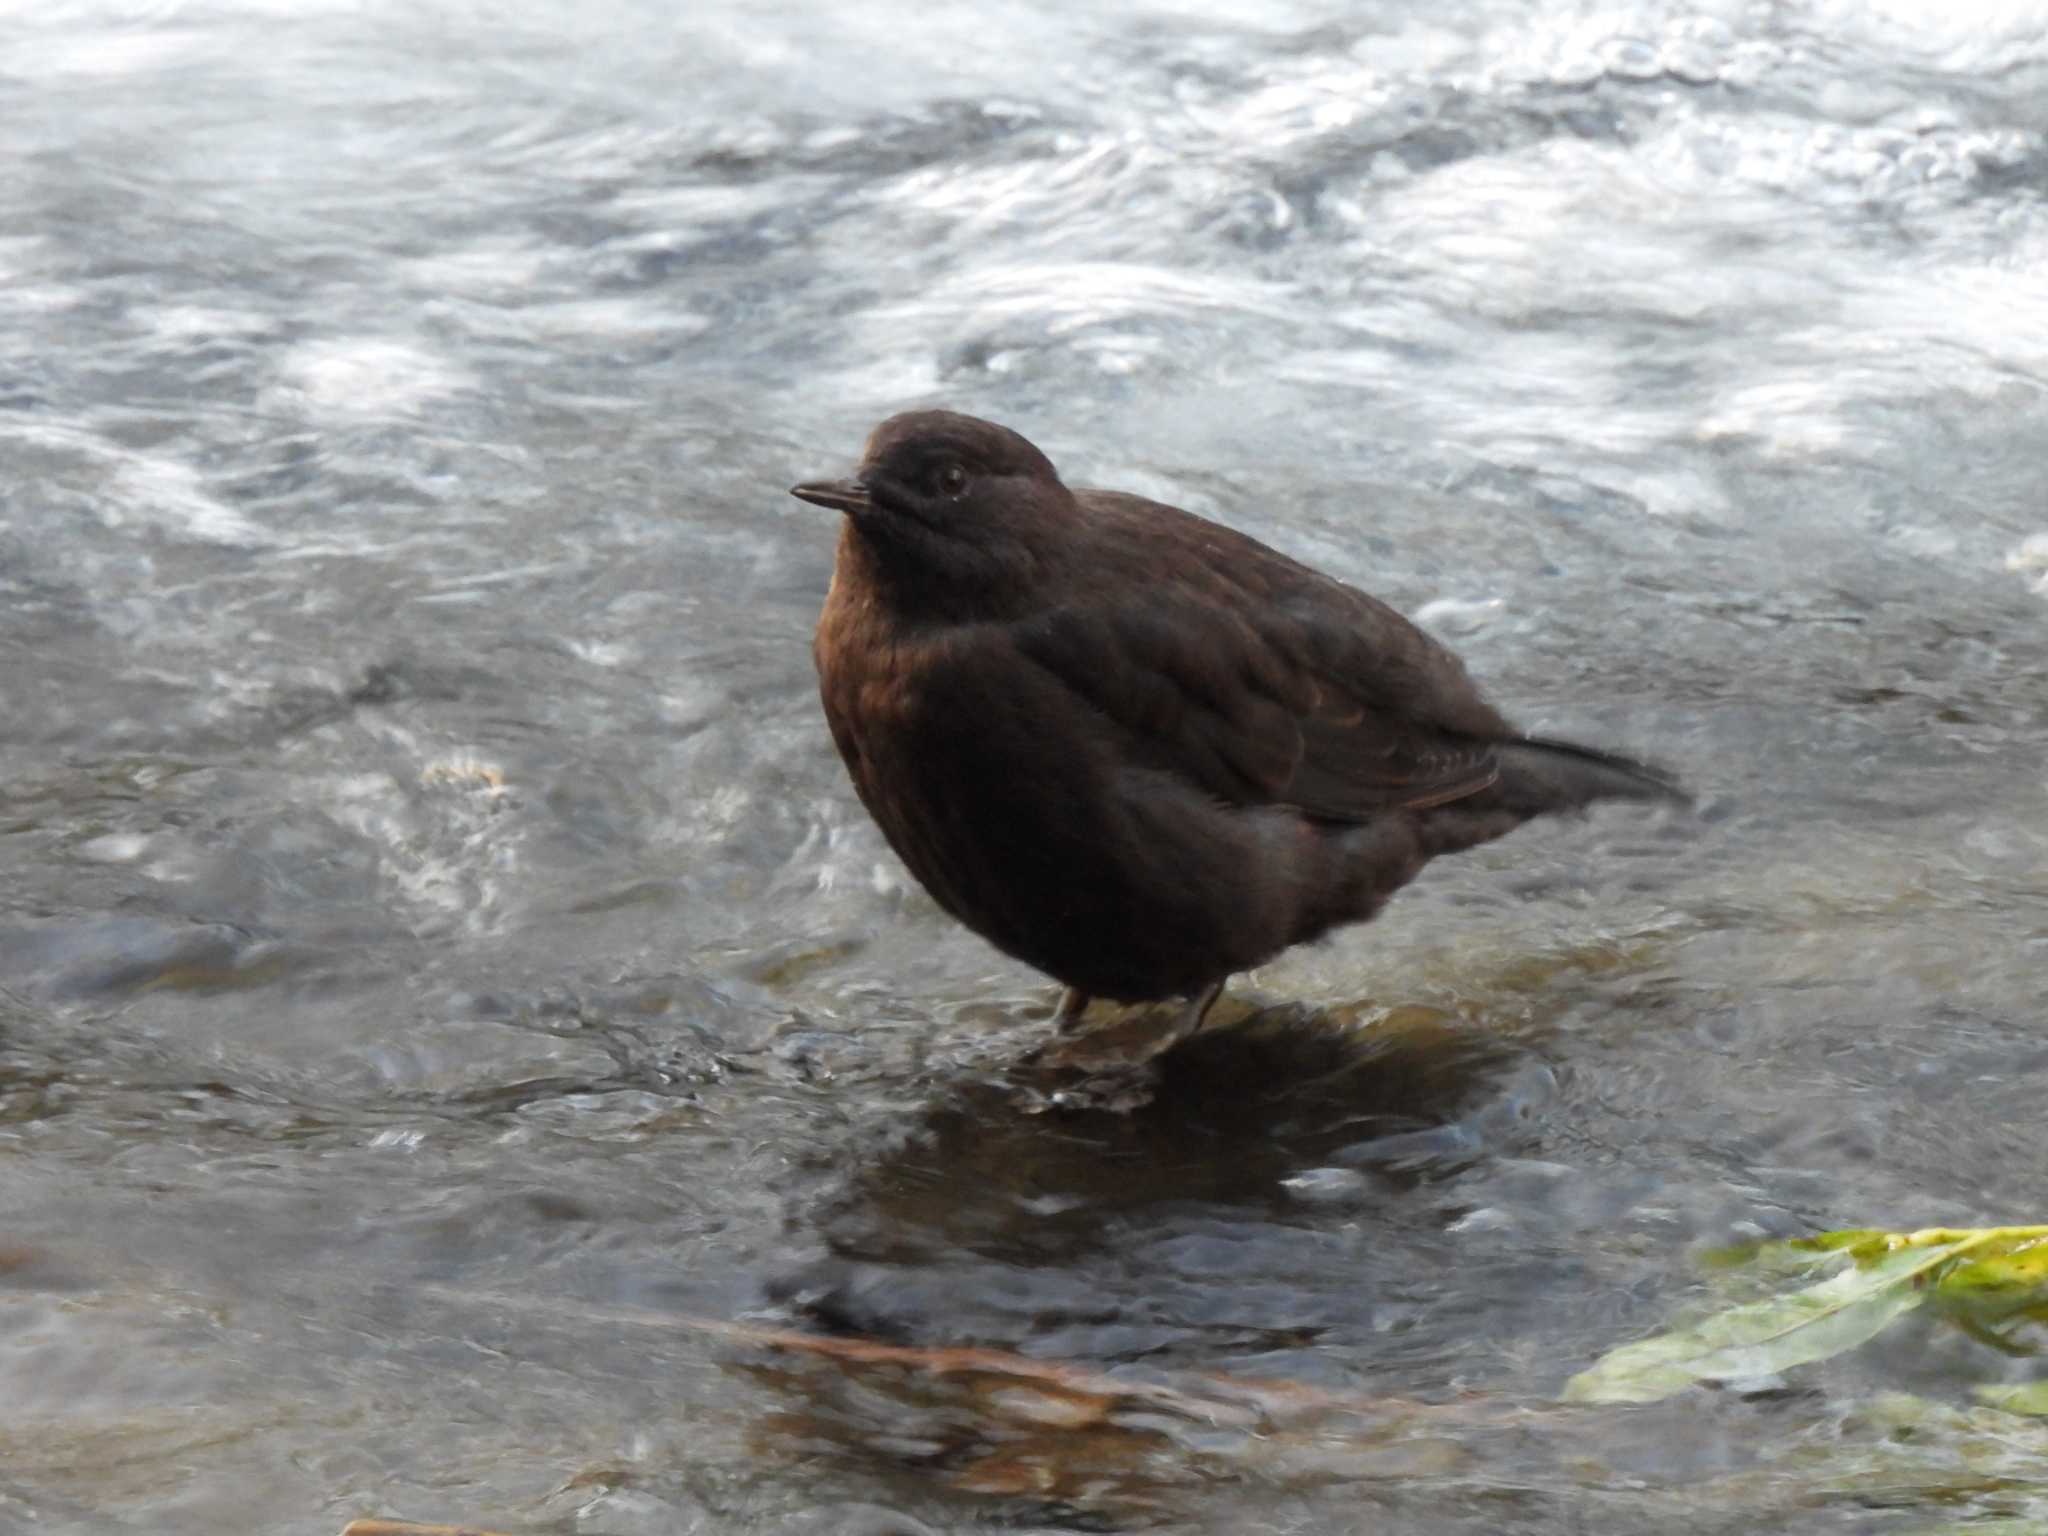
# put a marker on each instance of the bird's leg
(1072, 1006)
(1190, 1020)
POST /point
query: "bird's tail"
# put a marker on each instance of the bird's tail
(1538, 776)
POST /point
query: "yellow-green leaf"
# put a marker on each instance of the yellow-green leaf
(1779, 1332)
(2007, 1278)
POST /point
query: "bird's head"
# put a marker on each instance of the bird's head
(955, 516)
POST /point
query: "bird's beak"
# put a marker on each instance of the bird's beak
(839, 495)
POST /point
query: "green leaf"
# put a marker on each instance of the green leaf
(1779, 1332)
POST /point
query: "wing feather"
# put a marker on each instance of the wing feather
(1266, 706)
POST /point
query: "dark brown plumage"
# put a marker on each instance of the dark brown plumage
(1132, 747)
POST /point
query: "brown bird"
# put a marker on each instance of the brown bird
(1134, 748)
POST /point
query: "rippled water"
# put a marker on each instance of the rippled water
(446, 982)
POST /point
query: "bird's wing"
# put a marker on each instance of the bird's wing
(1332, 704)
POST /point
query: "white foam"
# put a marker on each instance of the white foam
(170, 494)
(1459, 615)
(145, 489)
(602, 653)
(1966, 36)
(2031, 561)
(197, 322)
(612, 319)
(490, 269)
(107, 54)
(114, 848)
(371, 376)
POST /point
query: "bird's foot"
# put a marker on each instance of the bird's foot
(1113, 1067)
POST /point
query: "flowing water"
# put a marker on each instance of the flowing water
(453, 1010)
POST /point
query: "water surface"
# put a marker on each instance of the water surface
(443, 970)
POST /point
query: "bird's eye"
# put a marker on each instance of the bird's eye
(953, 479)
